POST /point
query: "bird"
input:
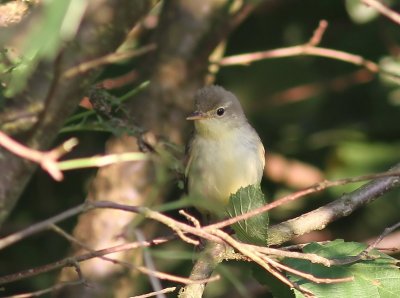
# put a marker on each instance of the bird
(225, 152)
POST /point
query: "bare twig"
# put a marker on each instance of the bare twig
(313, 258)
(386, 232)
(107, 59)
(148, 261)
(163, 291)
(365, 253)
(68, 262)
(40, 226)
(177, 226)
(85, 246)
(191, 218)
(386, 11)
(318, 33)
(344, 206)
(149, 270)
(307, 49)
(299, 194)
(211, 232)
(209, 258)
(47, 160)
(310, 276)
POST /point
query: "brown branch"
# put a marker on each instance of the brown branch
(383, 9)
(344, 206)
(107, 59)
(73, 240)
(394, 173)
(385, 182)
(307, 49)
(210, 257)
(386, 232)
(156, 293)
(69, 262)
(212, 233)
(302, 50)
(149, 263)
(47, 160)
(52, 289)
(43, 225)
(310, 276)
(318, 33)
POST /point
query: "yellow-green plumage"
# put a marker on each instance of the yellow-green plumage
(225, 153)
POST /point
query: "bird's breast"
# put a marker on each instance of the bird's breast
(221, 166)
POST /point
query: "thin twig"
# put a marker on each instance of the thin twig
(386, 11)
(313, 258)
(307, 49)
(310, 276)
(40, 226)
(299, 194)
(191, 218)
(319, 218)
(365, 253)
(318, 33)
(383, 235)
(107, 59)
(47, 160)
(148, 261)
(257, 258)
(72, 239)
(100, 161)
(68, 262)
(164, 291)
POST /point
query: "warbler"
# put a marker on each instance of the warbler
(225, 152)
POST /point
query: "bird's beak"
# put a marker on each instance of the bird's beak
(197, 115)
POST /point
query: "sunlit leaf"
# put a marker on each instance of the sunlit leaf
(255, 229)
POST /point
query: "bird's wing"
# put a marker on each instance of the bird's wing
(188, 161)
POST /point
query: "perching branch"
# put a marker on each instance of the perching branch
(383, 9)
(309, 48)
(344, 206)
(210, 233)
(383, 183)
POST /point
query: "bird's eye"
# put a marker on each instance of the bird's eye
(220, 111)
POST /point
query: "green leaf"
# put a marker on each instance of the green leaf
(255, 229)
(376, 277)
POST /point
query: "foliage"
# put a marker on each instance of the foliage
(377, 275)
(254, 229)
(337, 118)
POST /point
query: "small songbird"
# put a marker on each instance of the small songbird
(225, 152)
